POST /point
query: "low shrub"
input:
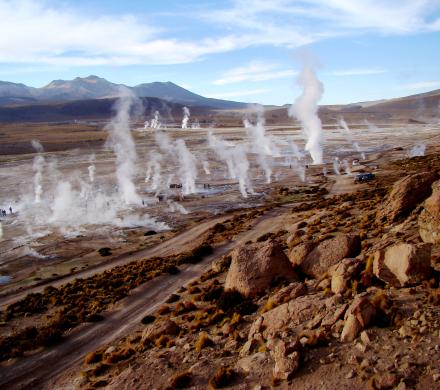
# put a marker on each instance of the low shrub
(223, 377)
(105, 252)
(203, 341)
(93, 357)
(148, 319)
(180, 380)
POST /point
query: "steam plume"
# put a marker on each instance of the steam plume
(38, 170)
(350, 139)
(417, 150)
(236, 160)
(186, 115)
(305, 109)
(123, 146)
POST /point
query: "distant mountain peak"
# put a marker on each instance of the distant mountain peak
(95, 87)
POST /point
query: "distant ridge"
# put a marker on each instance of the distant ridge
(94, 87)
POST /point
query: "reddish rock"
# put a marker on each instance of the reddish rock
(403, 264)
(429, 219)
(153, 331)
(406, 194)
(343, 273)
(299, 253)
(288, 315)
(287, 359)
(316, 262)
(255, 266)
(358, 316)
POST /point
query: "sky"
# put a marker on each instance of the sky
(243, 50)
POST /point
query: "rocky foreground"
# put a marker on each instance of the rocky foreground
(347, 297)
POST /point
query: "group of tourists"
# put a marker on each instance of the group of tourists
(3, 213)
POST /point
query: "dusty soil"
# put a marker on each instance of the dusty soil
(67, 258)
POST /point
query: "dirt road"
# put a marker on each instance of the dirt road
(41, 369)
(165, 248)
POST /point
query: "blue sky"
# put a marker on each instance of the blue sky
(246, 50)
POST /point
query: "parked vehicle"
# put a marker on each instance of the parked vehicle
(364, 177)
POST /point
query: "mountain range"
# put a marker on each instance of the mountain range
(94, 87)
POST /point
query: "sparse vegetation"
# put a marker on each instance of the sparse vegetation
(223, 377)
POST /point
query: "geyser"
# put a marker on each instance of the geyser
(346, 130)
(305, 109)
(123, 145)
(186, 115)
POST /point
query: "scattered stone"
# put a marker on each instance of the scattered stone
(405, 331)
(406, 194)
(153, 331)
(386, 381)
(221, 264)
(358, 316)
(286, 294)
(365, 338)
(254, 267)
(287, 359)
(343, 273)
(351, 374)
(403, 264)
(253, 363)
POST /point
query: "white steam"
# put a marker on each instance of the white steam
(261, 144)
(417, 150)
(186, 115)
(305, 109)
(37, 146)
(349, 135)
(123, 146)
(37, 167)
(186, 162)
(155, 122)
(236, 161)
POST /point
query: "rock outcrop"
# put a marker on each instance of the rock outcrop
(358, 316)
(315, 260)
(254, 267)
(403, 264)
(429, 219)
(405, 195)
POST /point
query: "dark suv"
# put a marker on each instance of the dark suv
(364, 177)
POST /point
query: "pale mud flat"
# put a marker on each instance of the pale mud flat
(31, 252)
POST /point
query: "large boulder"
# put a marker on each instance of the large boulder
(403, 264)
(429, 219)
(288, 315)
(359, 315)
(406, 194)
(315, 260)
(255, 266)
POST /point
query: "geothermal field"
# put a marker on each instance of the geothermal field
(121, 239)
(162, 177)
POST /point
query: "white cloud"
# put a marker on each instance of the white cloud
(357, 72)
(32, 32)
(234, 94)
(421, 85)
(255, 71)
(39, 32)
